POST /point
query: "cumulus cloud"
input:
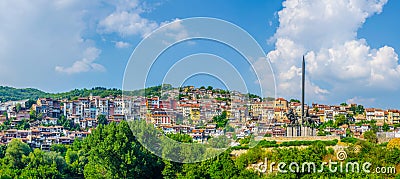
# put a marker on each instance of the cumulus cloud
(360, 100)
(85, 64)
(324, 23)
(127, 23)
(338, 63)
(127, 20)
(42, 40)
(121, 44)
(37, 36)
(175, 31)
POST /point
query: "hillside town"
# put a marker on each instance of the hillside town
(199, 112)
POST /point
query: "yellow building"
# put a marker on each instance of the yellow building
(393, 116)
(195, 112)
(321, 115)
(257, 108)
(281, 104)
(279, 114)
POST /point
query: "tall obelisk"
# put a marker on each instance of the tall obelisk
(303, 76)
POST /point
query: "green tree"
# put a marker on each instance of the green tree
(357, 109)
(17, 107)
(60, 148)
(294, 100)
(5, 114)
(29, 103)
(67, 124)
(385, 127)
(95, 171)
(195, 170)
(114, 152)
(23, 125)
(76, 160)
(340, 120)
(374, 127)
(181, 137)
(370, 136)
(348, 133)
(221, 120)
(42, 164)
(171, 169)
(71, 156)
(15, 151)
(219, 142)
(102, 119)
(360, 109)
(223, 167)
(32, 115)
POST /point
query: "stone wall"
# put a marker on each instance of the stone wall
(285, 139)
(387, 136)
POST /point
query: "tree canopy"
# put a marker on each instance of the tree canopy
(9, 93)
(113, 151)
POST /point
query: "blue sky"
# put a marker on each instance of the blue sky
(351, 46)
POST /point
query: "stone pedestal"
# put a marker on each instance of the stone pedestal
(297, 131)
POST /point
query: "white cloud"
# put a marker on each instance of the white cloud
(324, 23)
(338, 63)
(37, 36)
(127, 23)
(41, 40)
(174, 32)
(360, 100)
(121, 44)
(127, 20)
(85, 64)
(175, 29)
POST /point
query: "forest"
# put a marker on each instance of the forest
(13, 94)
(113, 151)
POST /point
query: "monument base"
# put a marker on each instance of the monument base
(300, 131)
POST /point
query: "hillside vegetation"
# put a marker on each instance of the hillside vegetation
(10, 93)
(13, 94)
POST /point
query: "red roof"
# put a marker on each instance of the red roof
(280, 99)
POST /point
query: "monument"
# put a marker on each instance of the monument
(305, 127)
